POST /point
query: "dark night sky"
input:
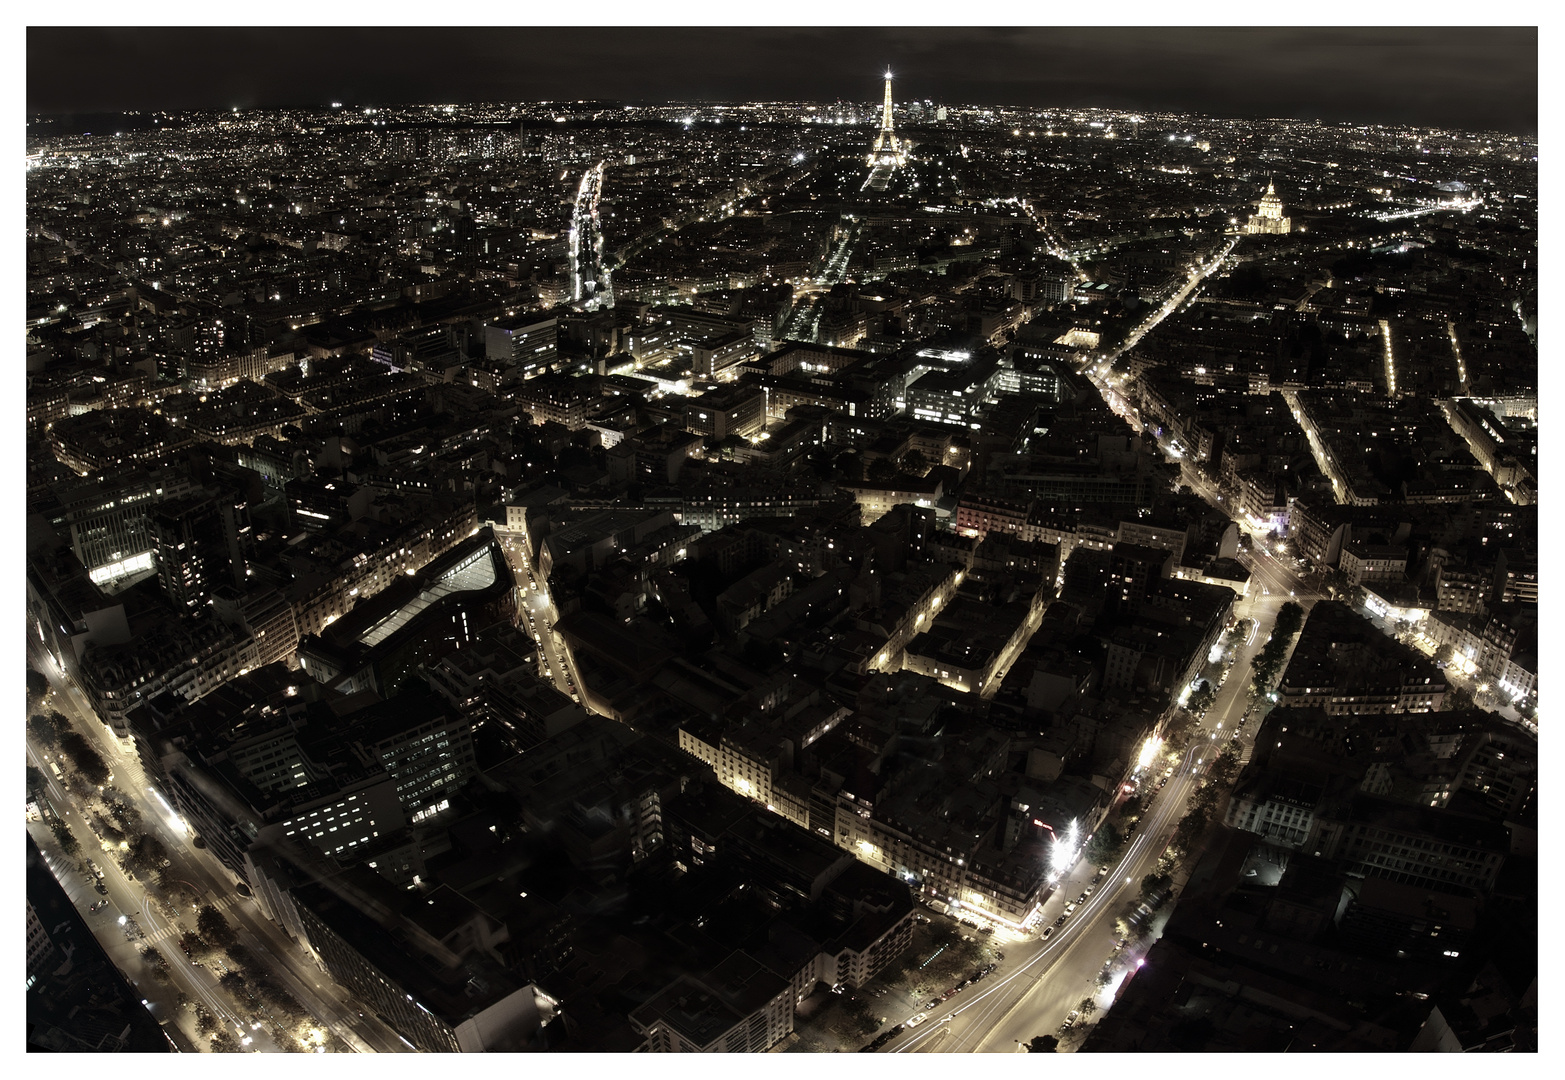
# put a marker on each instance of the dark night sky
(1478, 78)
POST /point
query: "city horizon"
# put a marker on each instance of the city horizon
(1472, 78)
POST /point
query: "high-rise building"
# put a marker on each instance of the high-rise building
(197, 543)
(528, 341)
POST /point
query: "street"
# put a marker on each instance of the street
(539, 615)
(1040, 982)
(292, 968)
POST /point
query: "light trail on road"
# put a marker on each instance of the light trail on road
(267, 942)
(1147, 844)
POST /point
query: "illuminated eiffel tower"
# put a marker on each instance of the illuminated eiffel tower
(888, 150)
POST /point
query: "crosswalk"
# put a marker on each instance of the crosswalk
(172, 931)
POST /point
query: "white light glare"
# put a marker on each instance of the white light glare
(1064, 851)
(1149, 751)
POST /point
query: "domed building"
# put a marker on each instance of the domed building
(1268, 217)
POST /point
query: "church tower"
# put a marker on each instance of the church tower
(1268, 218)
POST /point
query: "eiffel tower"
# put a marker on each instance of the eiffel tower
(888, 148)
(889, 151)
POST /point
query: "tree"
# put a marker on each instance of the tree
(1043, 1044)
(1201, 697)
(213, 927)
(233, 982)
(224, 1043)
(66, 838)
(1268, 662)
(1105, 845)
(240, 956)
(42, 731)
(881, 470)
(37, 685)
(1189, 829)
(1153, 884)
(107, 829)
(147, 856)
(1225, 765)
(821, 461)
(85, 758)
(1290, 617)
(194, 944)
(1086, 1007)
(281, 1000)
(36, 781)
(915, 463)
(156, 962)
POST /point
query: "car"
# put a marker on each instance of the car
(1088, 890)
(1047, 931)
(1082, 899)
(1070, 909)
(99, 906)
(1061, 920)
(933, 1005)
(917, 1020)
(100, 890)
